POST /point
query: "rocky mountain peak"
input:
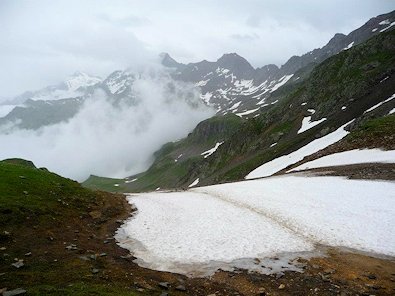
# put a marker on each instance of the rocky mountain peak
(168, 61)
(237, 64)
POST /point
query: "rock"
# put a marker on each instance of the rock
(140, 289)
(18, 264)
(329, 271)
(372, 277)
(374, 287)
(22, 177)
(164, 285)
(181, 288)
(262, 291)
(18, 291)
(103, 254)
(164, 294)
(25, 192)
(95, 270)
(3, 248)
(106, 242)
(28, 254)
(325, 278)
(71, 247)
(281, 287)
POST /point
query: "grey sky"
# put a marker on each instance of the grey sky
(43, 41)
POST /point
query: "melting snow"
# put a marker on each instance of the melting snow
(202, 82)
(379, 104)
(385, 22)
(308, 124)
(194, 183)
(386, 28)
(349, 46)
(203, 229)
(130, 181)
(350, 157)
(283, 80)
(247, 112)
(206, 97)
(235, 106)
(280, 163)
(212, 150)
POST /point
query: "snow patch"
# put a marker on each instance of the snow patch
(348, 158)
(283, 80)
(212, 150)
(247, 112)
(282, 162)
(379, 104)
(386, 28)
(130, 181)
(308, 124)
(385, 22)
(194, 183)
(349, 46)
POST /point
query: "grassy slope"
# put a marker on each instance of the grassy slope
(41, 210)
(165, 172)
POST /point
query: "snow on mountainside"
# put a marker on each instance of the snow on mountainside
(231, 84)
(74, 86)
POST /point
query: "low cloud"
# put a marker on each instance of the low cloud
(114, 140)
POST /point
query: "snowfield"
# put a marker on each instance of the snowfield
(355, 156)
(271, 167)
(223, 224)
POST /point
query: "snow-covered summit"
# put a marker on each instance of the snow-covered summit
(81, 80)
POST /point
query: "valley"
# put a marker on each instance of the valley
(206, 178)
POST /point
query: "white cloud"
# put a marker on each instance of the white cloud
(110, 140)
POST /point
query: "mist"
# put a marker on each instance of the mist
(112, 139)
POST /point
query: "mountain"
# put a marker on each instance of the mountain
(34, 114)
(231, 84)
(346, 102)
(74, 86)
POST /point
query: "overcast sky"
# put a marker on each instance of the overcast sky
(43, 41)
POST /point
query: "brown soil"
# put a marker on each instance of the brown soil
(340, 273)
